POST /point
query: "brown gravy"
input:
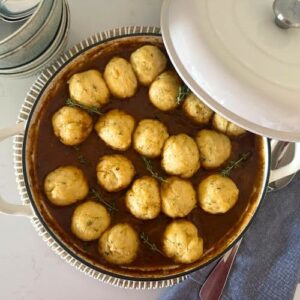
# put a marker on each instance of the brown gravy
(50, 153)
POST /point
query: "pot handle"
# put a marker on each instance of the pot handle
(289, 169)
(6, 207)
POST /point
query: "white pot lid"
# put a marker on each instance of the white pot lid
(234, 57)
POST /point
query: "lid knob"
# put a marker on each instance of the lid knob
(287, 13)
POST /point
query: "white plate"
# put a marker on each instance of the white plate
(232, 55)
(54, 49)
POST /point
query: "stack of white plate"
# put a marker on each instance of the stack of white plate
(28, 47)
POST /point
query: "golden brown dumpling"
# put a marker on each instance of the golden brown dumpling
(120, 78)
(89, 88)
(217, 194)
(89, 221)
(164, 90)
(72, 125)
(114, 172)
(149, 137)
(143, 199)
(182, 243)
(196, 110)
(181, 156)
(119, 244)
(214, 147)
(178, 197)
(66, 185)
(226, 126)
(148, 62)
(115, 128)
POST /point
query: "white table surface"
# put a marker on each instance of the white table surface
(28, 268)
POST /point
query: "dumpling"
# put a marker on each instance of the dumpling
(114, 172)
(178, 197)
(164, 90)
(89, 221)
(72, 125)
(214, 147)
(181, 242)
(120, 78)
(119, 244)
(149, 137)
(143, 198)
(148, 62)
(217, 194)
(226, 126)
(196, 110)
(66, 185)
(115, 128)
(181, 156)
(89, 88)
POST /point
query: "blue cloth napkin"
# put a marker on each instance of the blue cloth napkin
(268, 262)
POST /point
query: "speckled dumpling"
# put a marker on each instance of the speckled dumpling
(72, 125)
(196, 110)
(217, 194)
(89, 88)
(164, 90)
(181, 156)
(226, 126)
(115, 128)
(148, 62)
(120, 78)
(89, 221)
(114, 172)
(214, 147)
(119, 244)
(143, 198)
(66, 185)
(149, 137)
(181, 242)
(178, 197)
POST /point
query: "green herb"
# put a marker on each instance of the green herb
(149, 167)
(89, 109)
(182, 93)
(152, 246)
(110, 206)
(233, 164)
(81, 158)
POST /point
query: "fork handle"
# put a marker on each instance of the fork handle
(214, 285)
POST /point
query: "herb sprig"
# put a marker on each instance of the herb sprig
(89, 109)
(183, 91)
(145, 239)
(110, 206)
(80, 157)
(233, 164)
(149, 167)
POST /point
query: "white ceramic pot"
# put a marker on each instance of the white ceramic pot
(30, 206)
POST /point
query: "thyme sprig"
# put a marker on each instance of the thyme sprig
(145, 239)
(89, 109)
(183, 91)
(149, 167)
(233, 164)
(80, 157)
(96, 195)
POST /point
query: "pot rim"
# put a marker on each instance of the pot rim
(126, 281)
